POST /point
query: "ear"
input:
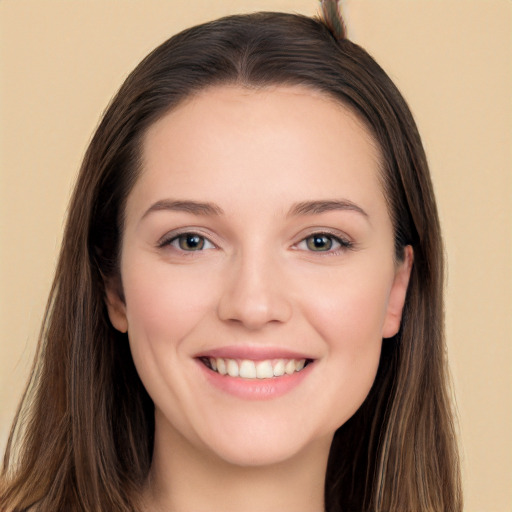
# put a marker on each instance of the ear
(115, 305)
(397, 295)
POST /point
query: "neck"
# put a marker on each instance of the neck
(183, 478)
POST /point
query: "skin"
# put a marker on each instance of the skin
(255, 155)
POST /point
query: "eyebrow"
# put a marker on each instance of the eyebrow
(316, 207)
(193, 207)
(302, 208)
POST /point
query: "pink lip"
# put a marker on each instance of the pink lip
(254, 389)
(253, 353)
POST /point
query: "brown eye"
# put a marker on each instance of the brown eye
(187, 242)
(319, 242)
(324, 243)
(190, 242)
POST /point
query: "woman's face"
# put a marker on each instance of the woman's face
(257, 241)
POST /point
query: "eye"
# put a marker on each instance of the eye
(323, 242)
(188, 242)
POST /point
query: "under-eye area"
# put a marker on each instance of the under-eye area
(250, 369)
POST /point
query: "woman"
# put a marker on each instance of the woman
(247, 310)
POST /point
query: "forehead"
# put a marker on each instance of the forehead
(243, 107)
(227, 140)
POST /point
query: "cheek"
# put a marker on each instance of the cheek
(162, 305)
(162, 308)
(352, 311)
(349, 318)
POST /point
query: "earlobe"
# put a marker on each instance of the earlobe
(397, 295)
(116, 307)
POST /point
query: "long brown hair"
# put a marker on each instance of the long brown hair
(82, 439)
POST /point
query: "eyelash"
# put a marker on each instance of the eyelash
(169, 241)
(343, 244)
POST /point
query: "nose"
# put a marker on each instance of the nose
(254, 294)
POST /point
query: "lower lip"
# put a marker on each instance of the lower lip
(255, 389)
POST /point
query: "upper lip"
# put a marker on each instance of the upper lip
(253, 353)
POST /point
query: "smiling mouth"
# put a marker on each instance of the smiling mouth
(249, 369)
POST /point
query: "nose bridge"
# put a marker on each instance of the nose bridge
(254, 293)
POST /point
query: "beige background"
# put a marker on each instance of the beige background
(61, 61)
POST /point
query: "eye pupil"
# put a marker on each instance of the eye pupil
(191, 242)
(319, 243)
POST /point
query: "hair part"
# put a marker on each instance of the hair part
(82, 439)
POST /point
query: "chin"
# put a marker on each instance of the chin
(263, 443)
(253, 454)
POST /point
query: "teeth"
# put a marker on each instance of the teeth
(279, 368)
(248, 369)
(221, 366)
(290, 367)
(264, 370)
(232, 367)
